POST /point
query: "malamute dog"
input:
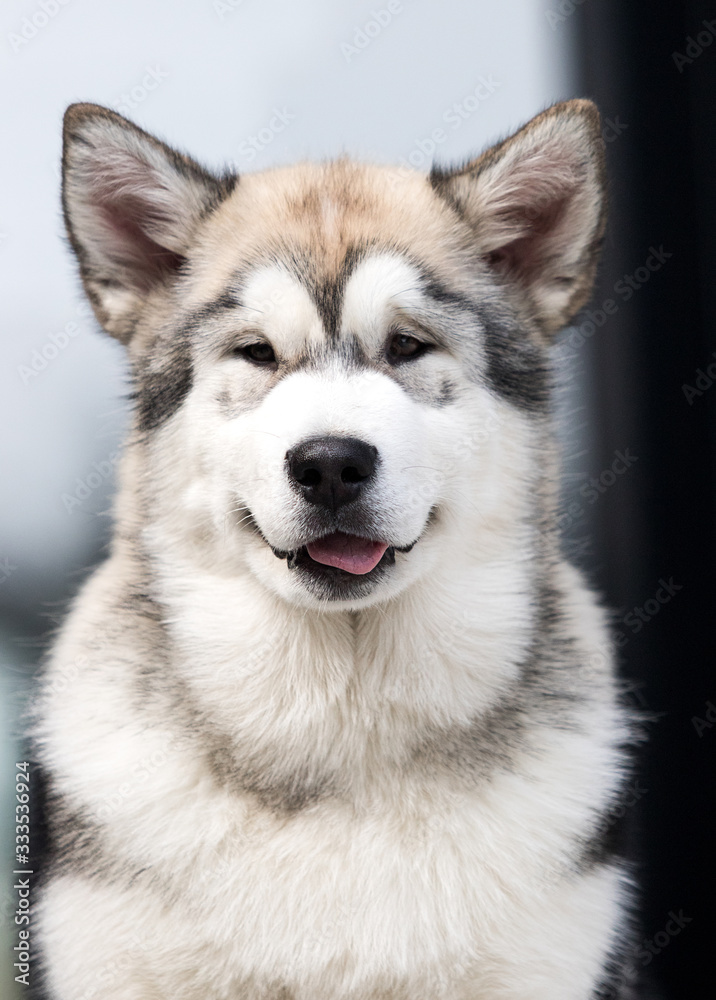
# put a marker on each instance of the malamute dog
(335, 720)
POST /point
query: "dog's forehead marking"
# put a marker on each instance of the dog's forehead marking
(284, 304)
(330, 215)
(378, 283)
(283, 308)
(365, 286)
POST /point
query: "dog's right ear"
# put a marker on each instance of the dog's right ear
(132, 205)
(536, 204)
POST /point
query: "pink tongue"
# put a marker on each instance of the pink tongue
(348, 552)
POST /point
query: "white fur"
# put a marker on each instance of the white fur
(405, 878)
(398, 879)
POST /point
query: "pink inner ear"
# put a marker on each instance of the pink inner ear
(532, 217)
(536, 227)
(128, 246)
(132, 208)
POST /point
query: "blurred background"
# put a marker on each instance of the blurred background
(249, 85)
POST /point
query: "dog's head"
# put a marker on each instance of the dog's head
(340, 370)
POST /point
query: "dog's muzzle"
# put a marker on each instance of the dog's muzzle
(330, 473)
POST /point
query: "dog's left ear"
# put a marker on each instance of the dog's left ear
(132, 205)
(536, 203)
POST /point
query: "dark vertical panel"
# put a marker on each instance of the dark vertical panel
(659, 524)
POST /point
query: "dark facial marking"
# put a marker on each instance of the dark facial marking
(327, 290)
(162, 385)
(517, 368)
(447, 394)
(437, 290)
(163, 381)
(225, 302)
(327, 294)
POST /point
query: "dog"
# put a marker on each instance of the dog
(336, 719)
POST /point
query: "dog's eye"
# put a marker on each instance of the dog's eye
(260, 353)
(402, 346)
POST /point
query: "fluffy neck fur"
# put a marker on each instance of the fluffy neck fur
(337, 693)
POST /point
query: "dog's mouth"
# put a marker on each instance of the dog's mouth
(348, 554)
(339, 564)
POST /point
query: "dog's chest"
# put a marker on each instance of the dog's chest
(417, 885)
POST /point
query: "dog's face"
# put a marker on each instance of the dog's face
(340, 369)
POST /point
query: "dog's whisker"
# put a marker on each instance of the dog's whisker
(259, 430)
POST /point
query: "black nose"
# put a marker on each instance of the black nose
(330, 471)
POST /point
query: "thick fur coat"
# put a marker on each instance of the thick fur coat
(335, 720)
